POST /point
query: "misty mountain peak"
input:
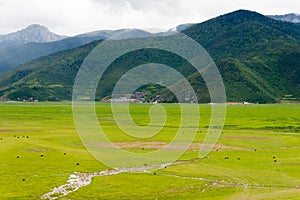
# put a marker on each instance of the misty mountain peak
(33, 27)
(32, 33)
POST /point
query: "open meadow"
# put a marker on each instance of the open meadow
(256, 157)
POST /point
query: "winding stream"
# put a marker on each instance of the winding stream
(79, 179)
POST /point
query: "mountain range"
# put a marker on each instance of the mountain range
(36, 41)
(258, 58)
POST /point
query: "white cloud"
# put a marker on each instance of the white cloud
(77, 16)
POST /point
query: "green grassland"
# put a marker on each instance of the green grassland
(40, 148)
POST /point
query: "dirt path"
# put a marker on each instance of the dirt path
(78, 179)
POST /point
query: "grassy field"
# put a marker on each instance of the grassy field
(40, 148)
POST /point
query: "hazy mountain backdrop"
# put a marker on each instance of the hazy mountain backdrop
(35, 41)
(294, 18)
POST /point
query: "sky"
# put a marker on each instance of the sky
(71, 17)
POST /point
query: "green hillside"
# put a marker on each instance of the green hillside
(48, 78)
(259, 59)
(14, 56)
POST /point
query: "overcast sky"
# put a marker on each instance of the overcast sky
(71, 17)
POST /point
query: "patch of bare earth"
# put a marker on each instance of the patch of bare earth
(15, 131)
(225, 147)
(246, 138)
(12, 131)
(291, 164)
(37, 150)
(156, 145)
